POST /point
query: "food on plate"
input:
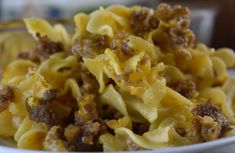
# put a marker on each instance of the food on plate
(125, 79)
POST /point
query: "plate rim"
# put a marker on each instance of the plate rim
(178, 149)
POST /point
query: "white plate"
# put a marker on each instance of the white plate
(217, 146)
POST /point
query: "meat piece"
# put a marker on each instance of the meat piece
(71, 133)
(87, 110)
(180, 41)
(210, 130)
(153, 22)
(41, 109)
(214, 112)
(176, 14)
(186, 88)
(174, 35)
(91, 128)
(44, 48)
(54, 140)
(84, 137)
(142, 20)
(41, 113)
(24, 55)
(120, 44)
(86, 80)
(181, 131)
(203, 129)
(140, 128)
(89, 131)
(49, 95)
(103, 127)
(90, 45)
(6, 96)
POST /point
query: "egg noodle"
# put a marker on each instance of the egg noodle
(126, 79)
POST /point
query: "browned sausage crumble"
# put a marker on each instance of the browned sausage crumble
(90, 45)
(140, 128)
(44, 109)
(6, 96)
(214, 112)
(187, 88)
(208, 124)
(43, 49)
(40, 110)
(203, 129)
(120, 44)
(55, 140)
(143, 20)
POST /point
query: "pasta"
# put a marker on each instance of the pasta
(127, 79)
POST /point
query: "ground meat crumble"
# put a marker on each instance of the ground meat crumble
(140, 128)
(44, 48)
(214, 112)
(40, 110)
(54, 140)
(120, 45)
(208, 124)
(172, 25)
(6, 96)
(90, 45)
(142, 20)
(187, 88)
(44, 109)
(203, 129)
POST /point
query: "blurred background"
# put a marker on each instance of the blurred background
(213, 21)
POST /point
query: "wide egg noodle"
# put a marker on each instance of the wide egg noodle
(30, 135)
(229, 91)
(57, 33)
(172, 73)
(52, 69)
(111, 97)
(139, 111)
(105, 22)
(62, 34)
(227, 55)
(6, 124)
(71, 85)
(157, 138)
(95, 66)
(141, 45)
(113, 143)
(169, 106)
(41, 26)
(80, 20)
(17, 69)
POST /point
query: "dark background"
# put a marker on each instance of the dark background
(215, 28)
(224, 24)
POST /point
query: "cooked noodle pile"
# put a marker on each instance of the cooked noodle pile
(127, 79)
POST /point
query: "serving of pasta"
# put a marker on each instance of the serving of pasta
(126, 79)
